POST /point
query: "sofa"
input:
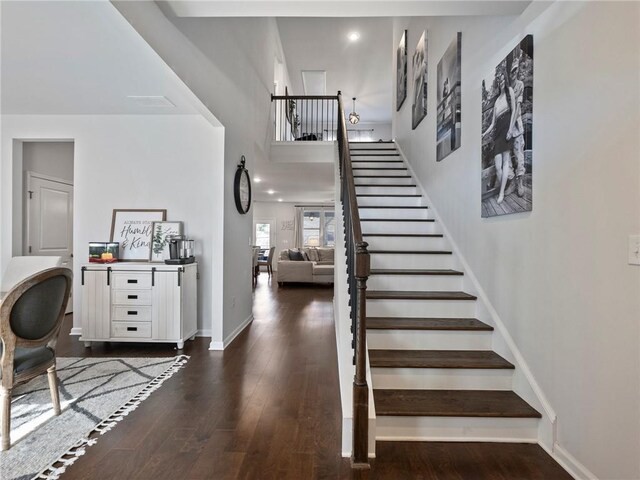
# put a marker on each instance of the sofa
(306, 265)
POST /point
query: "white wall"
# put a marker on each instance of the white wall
(279, 212)
(557, 276)
(139, 161)
(229, 64)
(54, 159)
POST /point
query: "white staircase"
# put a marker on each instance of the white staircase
(435, 375)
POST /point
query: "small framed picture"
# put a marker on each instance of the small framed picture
(159, 242)
(132, 229)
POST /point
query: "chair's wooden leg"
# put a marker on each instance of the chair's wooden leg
(5, 394)
(53, 386)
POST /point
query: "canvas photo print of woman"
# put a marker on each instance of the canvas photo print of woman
(507, 125)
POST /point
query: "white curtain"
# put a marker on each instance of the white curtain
(297, 228)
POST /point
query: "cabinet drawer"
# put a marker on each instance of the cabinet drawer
(131, 281)
(130, 330)
(132, 297)
(133, 313)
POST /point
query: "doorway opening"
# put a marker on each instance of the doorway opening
(47, 201)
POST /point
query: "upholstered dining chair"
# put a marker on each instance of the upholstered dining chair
(268, 262)
(20, 268)
(31, 314)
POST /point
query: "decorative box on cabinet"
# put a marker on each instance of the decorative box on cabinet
(139, 302)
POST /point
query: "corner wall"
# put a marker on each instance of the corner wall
(557, 276)
(228, 63)
(135, 161)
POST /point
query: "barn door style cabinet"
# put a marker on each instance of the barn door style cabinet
(139, 302)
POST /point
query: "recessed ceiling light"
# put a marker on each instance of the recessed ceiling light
(270, 192)
(279, 199)
(354, 36)
(257, 179)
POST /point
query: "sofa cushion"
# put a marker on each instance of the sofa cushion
(322, 270)
(325, 255)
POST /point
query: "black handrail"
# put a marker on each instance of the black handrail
(358, 269)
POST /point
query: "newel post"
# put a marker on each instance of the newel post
(360, 458)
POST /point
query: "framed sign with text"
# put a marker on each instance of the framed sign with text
(133, 229)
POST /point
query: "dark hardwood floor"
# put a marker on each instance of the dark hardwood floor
(268, 407)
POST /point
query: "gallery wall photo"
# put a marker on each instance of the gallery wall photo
(448, 133)
(401, 72)
(507, 127)
(419, 107)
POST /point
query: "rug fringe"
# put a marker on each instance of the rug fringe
(58, 467)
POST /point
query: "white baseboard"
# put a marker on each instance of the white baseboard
(76, 331)
(231, 337)
(567, 461)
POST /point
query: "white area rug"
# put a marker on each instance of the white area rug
(95, 394)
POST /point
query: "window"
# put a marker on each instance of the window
(318, 227)
(263, 235)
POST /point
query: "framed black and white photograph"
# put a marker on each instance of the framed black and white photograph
(132, 229)
(449, 115)
(159, 239)
(419, 107)
(401, 72)
(507, 126)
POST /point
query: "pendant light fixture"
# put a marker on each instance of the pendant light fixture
(354, 118)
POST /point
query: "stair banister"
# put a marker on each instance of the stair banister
(358, 265)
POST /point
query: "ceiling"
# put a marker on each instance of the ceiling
(359, 69)
(344, 8)
(81, 58)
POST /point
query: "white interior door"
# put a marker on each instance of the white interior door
(50, 219)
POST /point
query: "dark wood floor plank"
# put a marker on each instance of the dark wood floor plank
(267, 407)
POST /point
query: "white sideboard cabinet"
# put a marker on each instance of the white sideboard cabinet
(139, 302)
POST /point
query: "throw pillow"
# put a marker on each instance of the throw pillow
(313, 254)
(284, 254)
(296, 255)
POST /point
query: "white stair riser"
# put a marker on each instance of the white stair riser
(428, 340)
(415, 282)
(421, 308)
(395, 201)
(400, 189)
(454, 429)
(370, 162)
(393, 213)
(407, 243)
(395, 180)
(409, 261)
(442, 378)
(399, 227)
(372, 172)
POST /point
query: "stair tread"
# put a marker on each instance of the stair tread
(381, 176)
(409, 323)
(391, 206)
(430, 220)
(471, 359)
(379, 168)
(417, 295)
(452, 403)
(429, 235)
(387, 195)
(408, 185)
(373, 154)
(412, 252)
(395, 271)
